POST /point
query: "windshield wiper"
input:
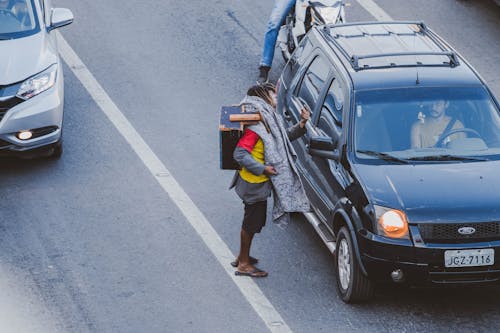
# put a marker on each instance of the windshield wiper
(382, 156)
(446, 157)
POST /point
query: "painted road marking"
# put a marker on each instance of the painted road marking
(375, 10)
(193, 215)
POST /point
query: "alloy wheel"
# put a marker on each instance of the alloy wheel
(344, 264)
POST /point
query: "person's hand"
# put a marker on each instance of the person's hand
(269, 170)
(304, 116)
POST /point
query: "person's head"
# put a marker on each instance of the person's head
(438, 108)
(4, 4)
(266, 91)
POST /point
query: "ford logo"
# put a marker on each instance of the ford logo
(466, 230)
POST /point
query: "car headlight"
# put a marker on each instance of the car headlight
(38, 83)
(391, 223)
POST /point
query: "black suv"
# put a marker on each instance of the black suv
(401, 160)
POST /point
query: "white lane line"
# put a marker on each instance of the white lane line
(194, 216)
(375, 10)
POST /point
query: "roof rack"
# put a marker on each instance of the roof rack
(355, 58)
(417, 27)
(421, 24)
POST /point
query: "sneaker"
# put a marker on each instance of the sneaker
(263, 74)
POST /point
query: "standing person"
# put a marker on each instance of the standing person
(266, 156)
(278, 14)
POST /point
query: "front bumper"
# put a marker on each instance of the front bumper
(44, 111)
(424, 264)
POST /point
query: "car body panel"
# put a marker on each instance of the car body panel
(22, 58)
(343, 190)
(455, 192)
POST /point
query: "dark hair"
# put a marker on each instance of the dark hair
(262, 91)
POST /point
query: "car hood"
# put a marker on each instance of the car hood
(454, 192)
(23, 57)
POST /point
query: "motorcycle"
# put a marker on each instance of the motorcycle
(303, 16)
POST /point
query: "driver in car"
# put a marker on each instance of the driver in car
(20, 10)
(5, 5)
(428, 130)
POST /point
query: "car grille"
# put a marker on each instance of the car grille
(464, 275)
(448, 233)
(8, 104)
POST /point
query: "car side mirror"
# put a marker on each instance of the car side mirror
(60, 17)
(324, 146)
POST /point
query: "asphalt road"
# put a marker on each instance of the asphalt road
(92, 243)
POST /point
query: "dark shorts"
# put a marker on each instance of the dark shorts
(255, 217)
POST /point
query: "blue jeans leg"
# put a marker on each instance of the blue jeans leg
(278, 14)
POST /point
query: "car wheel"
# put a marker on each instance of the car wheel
(353, 286)
(56, 150)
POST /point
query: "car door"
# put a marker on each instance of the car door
(306, 90)
(327, 176)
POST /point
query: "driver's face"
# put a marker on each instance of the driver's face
(438, 108)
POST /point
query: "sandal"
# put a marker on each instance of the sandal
(255, 273)
(253, 261)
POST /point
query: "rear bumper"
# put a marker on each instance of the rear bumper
(424, 265)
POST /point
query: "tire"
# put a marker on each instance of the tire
(352, 285)
(55, 152)
(58, 150)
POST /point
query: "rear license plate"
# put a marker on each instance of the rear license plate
(469, 258)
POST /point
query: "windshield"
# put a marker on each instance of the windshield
(427, 124)
(17, 19)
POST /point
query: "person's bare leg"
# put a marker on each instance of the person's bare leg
(244, 265)
(245, 244)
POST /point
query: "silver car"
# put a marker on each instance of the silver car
(31, 78)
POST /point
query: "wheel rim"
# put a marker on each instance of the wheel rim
(344, 264)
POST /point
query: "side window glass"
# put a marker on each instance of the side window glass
(335, 99)
(313, 82)
(303, 51)
(298, 57)
(326, 122)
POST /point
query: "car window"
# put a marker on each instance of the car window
(326, 122)
(334, 100)
(303, 50)
(17, 18)
(424, 122)
(313, 82)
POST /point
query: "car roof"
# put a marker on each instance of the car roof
(397, 54)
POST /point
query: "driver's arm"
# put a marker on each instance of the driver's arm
(415, 136)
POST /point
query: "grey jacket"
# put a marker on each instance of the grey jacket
(254, 192)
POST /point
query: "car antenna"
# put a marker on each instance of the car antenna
(417, 82)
